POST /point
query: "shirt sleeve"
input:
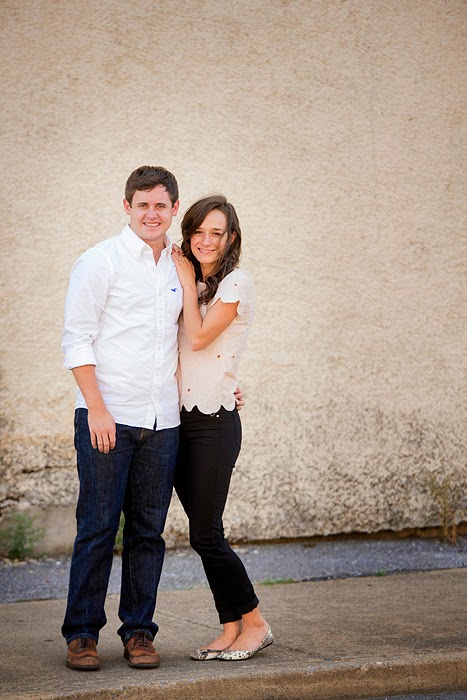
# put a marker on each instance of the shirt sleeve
(85, 300)
(237, 286)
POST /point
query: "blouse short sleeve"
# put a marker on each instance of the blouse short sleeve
(237, 286)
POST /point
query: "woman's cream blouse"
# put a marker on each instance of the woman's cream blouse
(207, 378)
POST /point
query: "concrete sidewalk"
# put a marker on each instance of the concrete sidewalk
(352, 638)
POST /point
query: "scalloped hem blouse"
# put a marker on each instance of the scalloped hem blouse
(207, 378)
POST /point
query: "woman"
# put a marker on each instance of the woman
(218, 301)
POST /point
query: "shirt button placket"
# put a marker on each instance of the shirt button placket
(158, 345)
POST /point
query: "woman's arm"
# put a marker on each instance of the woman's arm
(201, 331)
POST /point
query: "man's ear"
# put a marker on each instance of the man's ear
(127, 207)
(175, 208)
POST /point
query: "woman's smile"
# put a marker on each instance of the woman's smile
(209, 240)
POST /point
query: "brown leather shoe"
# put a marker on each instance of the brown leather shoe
(140, 652)
(82, 655)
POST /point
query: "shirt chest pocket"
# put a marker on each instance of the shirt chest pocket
(174, 300)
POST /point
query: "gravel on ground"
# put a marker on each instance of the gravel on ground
(47, 578)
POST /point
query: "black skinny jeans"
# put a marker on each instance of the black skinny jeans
(209, 447)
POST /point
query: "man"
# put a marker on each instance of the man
(120, 341)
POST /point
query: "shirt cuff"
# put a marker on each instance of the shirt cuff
(79, 357)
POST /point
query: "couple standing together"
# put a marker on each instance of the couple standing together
(133, 443)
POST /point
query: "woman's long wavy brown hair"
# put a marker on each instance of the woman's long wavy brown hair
(230, 256)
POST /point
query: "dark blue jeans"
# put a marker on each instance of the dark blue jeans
(136, 477)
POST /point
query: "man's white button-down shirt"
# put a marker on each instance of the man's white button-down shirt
(121, 315)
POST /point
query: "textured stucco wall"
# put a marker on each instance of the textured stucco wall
(334, 126)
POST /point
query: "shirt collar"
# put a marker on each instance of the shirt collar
(136, 245)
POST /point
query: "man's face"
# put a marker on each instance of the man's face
(151, 213)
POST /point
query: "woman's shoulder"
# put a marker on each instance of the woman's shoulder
(237, 286)
(237, 277)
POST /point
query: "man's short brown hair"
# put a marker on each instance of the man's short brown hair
(149, 176)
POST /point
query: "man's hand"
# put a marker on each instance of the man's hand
(101, 423)
(239, 400)
(102, 430)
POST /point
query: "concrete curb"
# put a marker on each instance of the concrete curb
(345, 681)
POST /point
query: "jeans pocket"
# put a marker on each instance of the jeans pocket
(238, 429)
(76, 427)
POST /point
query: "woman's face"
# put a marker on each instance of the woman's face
(209, 240)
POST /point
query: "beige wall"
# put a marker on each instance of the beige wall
(334, 126)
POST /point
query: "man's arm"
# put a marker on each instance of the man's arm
(86, 297)
(101, 422)
(239, 398)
